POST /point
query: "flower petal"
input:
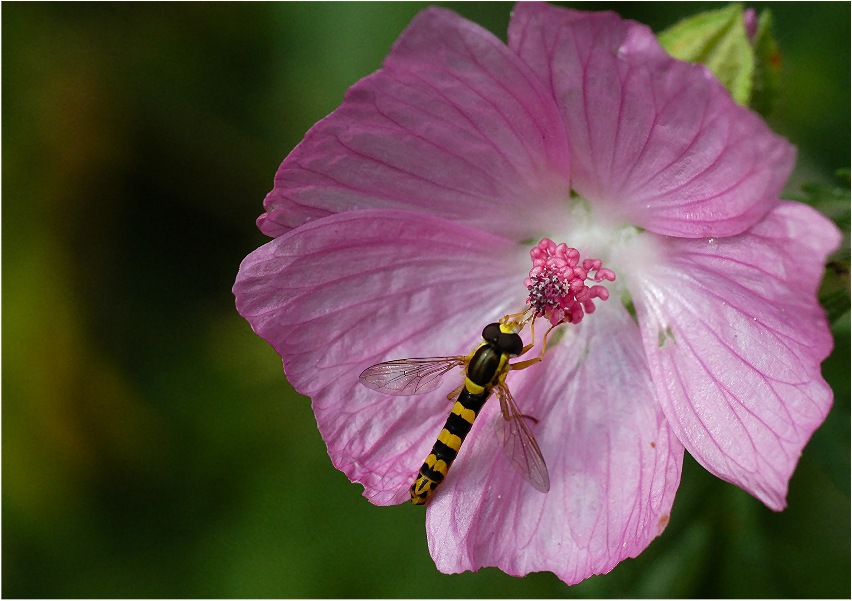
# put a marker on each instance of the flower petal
(658, 141)
(339, 294)
(614, 465)
(454, 125)
(735, 337)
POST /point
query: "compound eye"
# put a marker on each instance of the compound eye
(510, 343)
(491, 332)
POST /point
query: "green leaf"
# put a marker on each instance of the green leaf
(767, 66)
(717, 39)
(832, 201)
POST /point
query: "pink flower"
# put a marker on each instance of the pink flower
(403, 224)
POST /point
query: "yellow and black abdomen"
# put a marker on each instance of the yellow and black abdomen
(437, 464)
(486, 364)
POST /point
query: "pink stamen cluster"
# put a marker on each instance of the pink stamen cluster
(557, 283)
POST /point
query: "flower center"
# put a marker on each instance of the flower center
(557, 283)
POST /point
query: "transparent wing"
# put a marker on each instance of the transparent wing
(409, 376)
(518, 442)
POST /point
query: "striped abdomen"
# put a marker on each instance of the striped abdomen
(483, 372)
(444, 452)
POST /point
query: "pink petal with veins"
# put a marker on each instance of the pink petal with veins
(657, 141)
(735, 336)
(453, 125)
(613, 460)
(347, 291)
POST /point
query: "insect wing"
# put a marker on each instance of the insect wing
(404, 377)
(518, 442)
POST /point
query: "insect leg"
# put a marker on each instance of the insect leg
(529, 362)
(532, 339)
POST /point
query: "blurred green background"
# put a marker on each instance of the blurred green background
(151, 445)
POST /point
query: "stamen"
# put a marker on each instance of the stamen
(557, 283)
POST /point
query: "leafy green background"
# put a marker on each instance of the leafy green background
(151, 446)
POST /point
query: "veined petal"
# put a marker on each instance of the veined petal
(658, 141)
(614, 465)
(735, 336)
(453, 125)
(344, 292)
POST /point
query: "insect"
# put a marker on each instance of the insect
(485, 370)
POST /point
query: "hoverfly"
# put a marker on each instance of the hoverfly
(485, 370)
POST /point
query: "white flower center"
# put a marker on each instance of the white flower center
(622, 247)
